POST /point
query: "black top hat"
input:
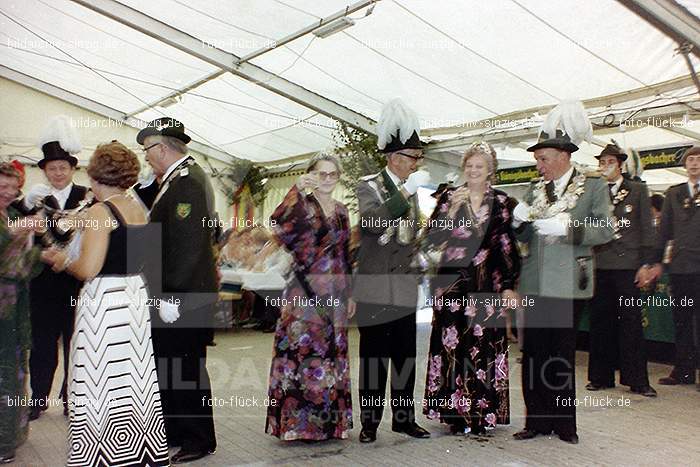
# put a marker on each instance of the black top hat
(613, 149)
(54, 152)
(164, 126)
(561, 141)
(395, 144)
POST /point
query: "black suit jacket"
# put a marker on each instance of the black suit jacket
(680, 223)
(635, 236)
(183, 207)
(51, 284)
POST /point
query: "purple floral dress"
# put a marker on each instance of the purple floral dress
(467, 377)
(310, 375)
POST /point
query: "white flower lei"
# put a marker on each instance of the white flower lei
(541, 209)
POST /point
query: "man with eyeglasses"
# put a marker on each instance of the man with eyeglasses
(386, 281)
(181, 332)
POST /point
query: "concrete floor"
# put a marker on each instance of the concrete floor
(662, 431)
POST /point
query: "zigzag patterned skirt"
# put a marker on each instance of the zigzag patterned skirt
(114, 406)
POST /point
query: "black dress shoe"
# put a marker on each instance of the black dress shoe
(35, 413)
(571, 439)
(412, 430)
(7, 458)
(598, 387)
(672, 380)
(368, 436)
(646, 391)
(525, 434)
(183, 456)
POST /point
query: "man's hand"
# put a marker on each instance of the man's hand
(521, 213)
(36, 194)
(416, 179)
(557, 226)
(168, 312)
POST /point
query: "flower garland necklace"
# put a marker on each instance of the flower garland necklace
(542, 209)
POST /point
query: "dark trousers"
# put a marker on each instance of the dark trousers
(616, 332)
(387, 335)
(52, 318)
(686, 322)
(185, 389)
(549, 357)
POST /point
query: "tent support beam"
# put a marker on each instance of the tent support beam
(100, 109)
(285, 40)
(596, 102)
(226, 61)
(669, 17)
(657, 116)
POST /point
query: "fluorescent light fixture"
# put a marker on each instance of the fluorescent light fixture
(334, 26)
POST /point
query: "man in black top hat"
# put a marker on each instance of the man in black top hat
(616, 333)
(678, 231)
(52, 295)
(189, 288)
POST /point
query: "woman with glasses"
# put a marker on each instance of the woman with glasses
(309, 388)
(467, 377)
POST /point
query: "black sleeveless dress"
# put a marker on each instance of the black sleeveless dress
(114, 406)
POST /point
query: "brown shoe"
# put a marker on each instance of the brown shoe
(671, 380)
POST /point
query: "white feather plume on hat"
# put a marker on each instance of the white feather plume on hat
(571, 118)
(396, 116)
(59, 129)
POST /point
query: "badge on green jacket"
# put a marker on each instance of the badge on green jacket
(183, 210)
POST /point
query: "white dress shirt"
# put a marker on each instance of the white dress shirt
(172, 167)
(616, 187)
(62, 195)
(561, 182)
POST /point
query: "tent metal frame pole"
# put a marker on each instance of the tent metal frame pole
(596, 102)
(100, 109)
(669, 17)
(226, 61)
(285, 40)
(657, 114)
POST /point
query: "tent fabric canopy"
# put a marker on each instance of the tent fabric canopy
(453, 61)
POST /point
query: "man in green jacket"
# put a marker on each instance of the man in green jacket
(564, 214)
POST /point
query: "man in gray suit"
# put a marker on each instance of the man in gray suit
(680, 224)
(616, 333)
(385, 286)
(563, 215)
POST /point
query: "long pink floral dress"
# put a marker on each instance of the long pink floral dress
(467, 377)
(310, 375)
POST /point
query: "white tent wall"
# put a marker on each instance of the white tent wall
(25, 111)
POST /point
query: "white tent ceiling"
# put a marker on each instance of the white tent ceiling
(453, 61)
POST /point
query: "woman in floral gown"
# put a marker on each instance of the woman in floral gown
(18, 264)
(310, 377)
(467, 378)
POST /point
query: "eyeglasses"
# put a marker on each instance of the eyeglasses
(145, 150)
(415, 158)
(327, 175)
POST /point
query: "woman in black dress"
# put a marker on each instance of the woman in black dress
(467, 378)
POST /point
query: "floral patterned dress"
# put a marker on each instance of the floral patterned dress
(467, 377)
(310, 376)
(17, 266)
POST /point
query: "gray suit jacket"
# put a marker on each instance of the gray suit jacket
(680, 222)
(635, 238)
(384, 274)
(563, 267)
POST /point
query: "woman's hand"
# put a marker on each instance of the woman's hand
(459, 197)
(309, 180)
(55, 258)
(352, 307)
(511, 298)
